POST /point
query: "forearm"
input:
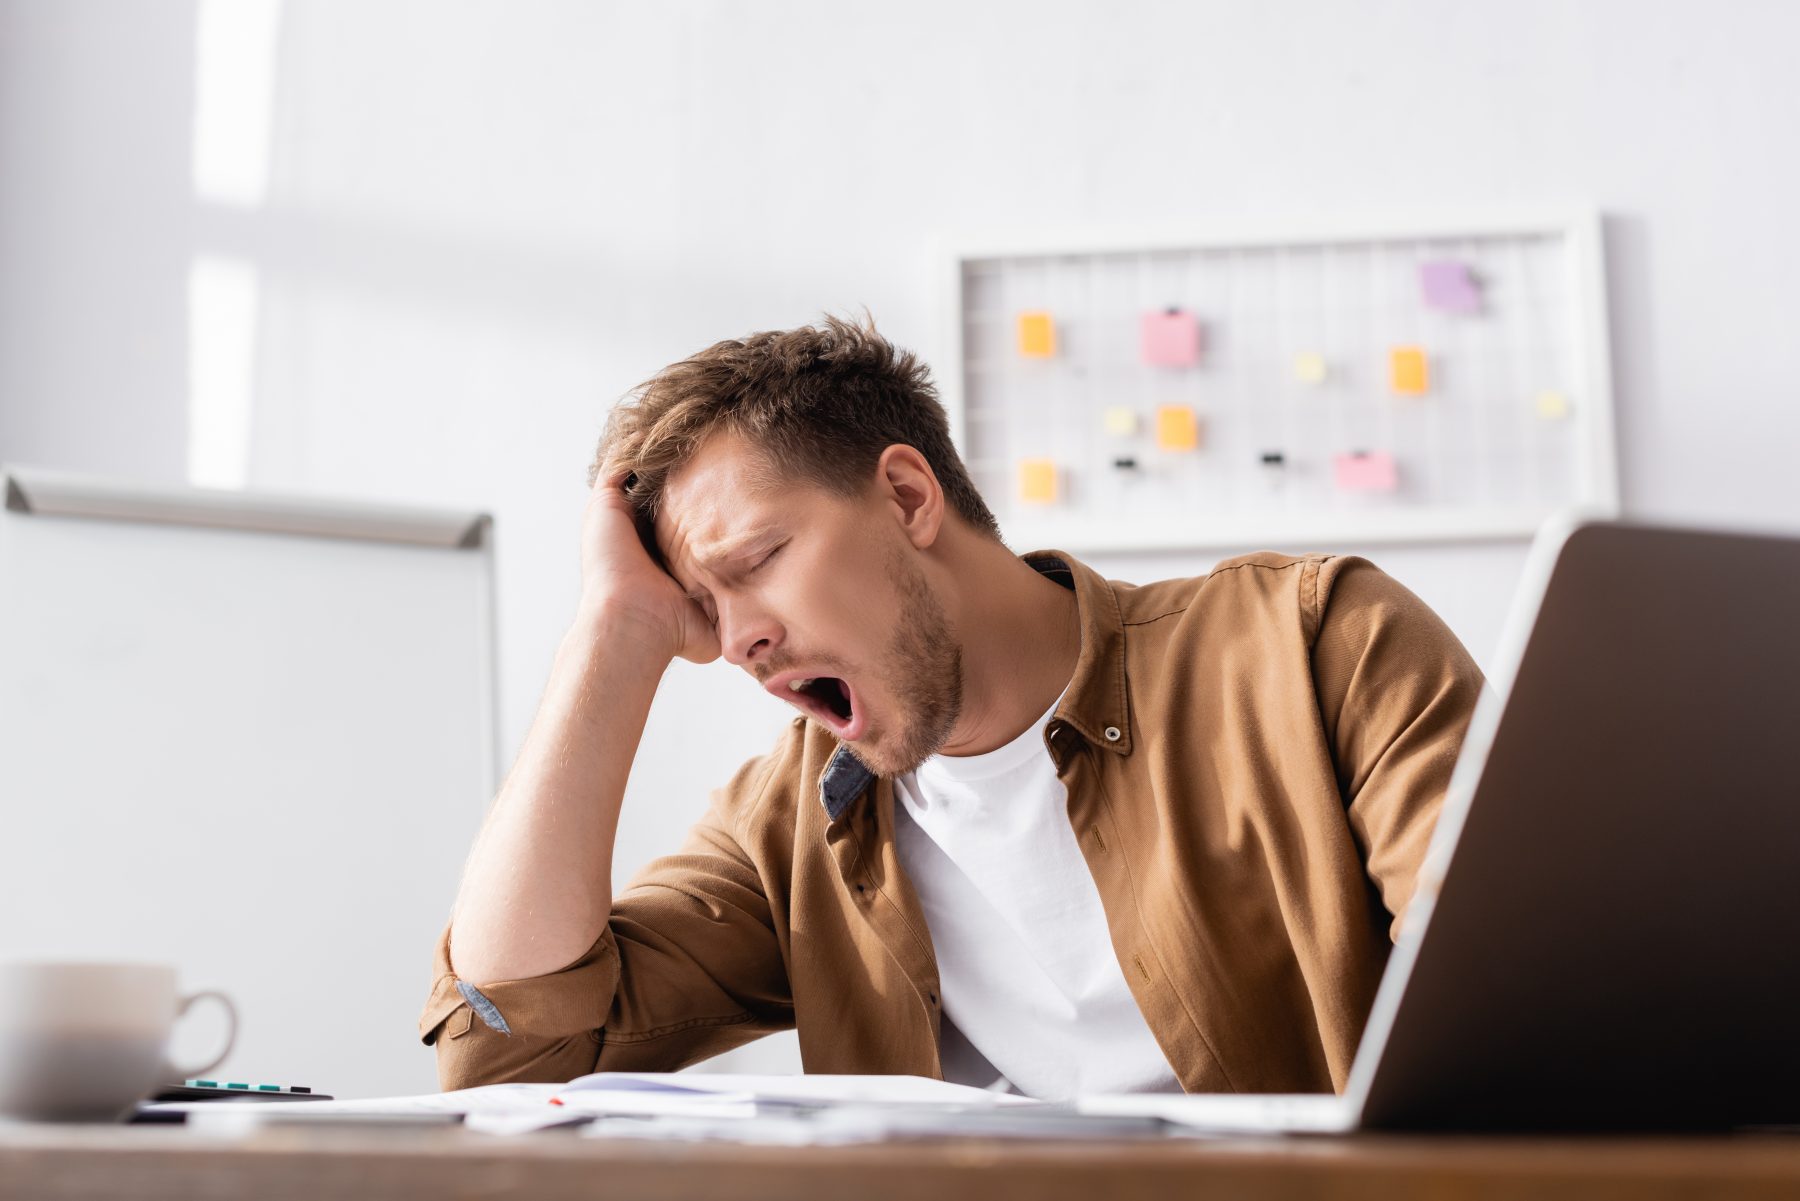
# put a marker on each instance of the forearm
(538, 886)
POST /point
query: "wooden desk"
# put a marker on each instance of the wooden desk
(62, 1163)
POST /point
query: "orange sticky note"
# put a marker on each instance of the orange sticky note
(1408, 371)
(1037, 481)
(1037, 335)
(1177, 428)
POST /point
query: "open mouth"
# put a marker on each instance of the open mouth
(828, 700)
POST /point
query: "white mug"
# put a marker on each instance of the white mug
(84, 1041)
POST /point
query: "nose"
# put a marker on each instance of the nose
(748, 633)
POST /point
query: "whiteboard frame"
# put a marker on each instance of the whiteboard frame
(274, 718)
(1597, 487)
(46, 492)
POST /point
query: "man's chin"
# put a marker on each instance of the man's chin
(884, 761)
(871, 757)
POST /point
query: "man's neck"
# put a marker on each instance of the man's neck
(1020, 635)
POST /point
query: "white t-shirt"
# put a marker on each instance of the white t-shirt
(1032, 990)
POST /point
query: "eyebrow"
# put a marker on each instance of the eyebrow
(730, 548)
(733, 548)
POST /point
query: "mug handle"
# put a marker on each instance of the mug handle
(175, 1072)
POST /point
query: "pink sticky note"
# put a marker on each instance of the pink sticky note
(1365, 472)
(1451, 286)
(1171, 339)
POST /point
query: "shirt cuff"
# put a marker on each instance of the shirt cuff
(574, 1000)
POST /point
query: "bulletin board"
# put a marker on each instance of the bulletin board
(1292, 389)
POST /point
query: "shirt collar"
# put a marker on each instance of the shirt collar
(1095, 704)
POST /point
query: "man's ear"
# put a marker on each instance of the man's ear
(910, 486)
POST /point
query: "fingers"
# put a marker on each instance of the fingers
(610, 476)
(608, 471)
(609, 490)
(611, 470)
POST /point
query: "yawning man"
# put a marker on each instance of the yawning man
(1028, 824)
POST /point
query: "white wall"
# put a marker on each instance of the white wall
(484, 221)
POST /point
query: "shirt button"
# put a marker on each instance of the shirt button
(1112, 734)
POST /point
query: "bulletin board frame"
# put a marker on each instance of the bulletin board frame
(1583, 330)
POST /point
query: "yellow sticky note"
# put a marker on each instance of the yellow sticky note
(1309, 368)
(1177, 428)
(1552, 406)
(1120, 422)
(1037, 481)
(1408, 371)
(1037, 335)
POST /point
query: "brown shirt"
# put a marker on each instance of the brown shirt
(1254, 760)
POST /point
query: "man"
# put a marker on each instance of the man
(1029, 825)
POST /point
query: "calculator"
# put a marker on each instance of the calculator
(231, 1090)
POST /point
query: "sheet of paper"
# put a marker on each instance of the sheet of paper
(491, 1109)
(491, 1098)
(644, 1104)
(1037, 335)
(1221, 1114)
(784, 1110)
(1449, 285)
(1037, 481)
(767, 1130)
(1408, 372)
(849, 1124)
(1170, 338)
(654, 1103)
(801, 1110)
(798, 1090)
(1177, 428)
(1365, 472)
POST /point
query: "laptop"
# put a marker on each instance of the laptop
(1606, 930)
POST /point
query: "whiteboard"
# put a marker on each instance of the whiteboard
(252, 737)
(1293, 390)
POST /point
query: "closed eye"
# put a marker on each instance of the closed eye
(763, 562)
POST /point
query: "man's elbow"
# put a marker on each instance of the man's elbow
(481, 1056)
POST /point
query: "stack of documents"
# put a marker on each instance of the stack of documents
(787, 1110)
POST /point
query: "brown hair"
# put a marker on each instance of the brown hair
(821, 402)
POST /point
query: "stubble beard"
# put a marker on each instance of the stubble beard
(922, 668)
